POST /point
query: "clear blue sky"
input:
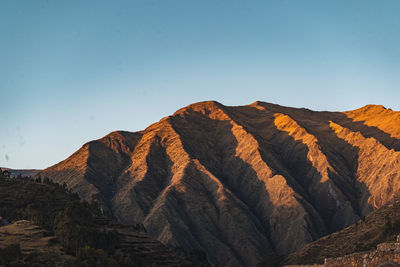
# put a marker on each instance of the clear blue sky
(73, 71)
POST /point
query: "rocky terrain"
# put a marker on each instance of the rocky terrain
(380, 226)
(241, 182)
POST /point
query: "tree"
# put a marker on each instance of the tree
(388, 228)
(10, 254)
(270, 260)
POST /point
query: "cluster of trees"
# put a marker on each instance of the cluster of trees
(34, 200)
(75, 226)
(88, 256)
(270, 260)
(196, 257)
(61, 212)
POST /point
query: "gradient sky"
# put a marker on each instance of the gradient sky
(73, 71)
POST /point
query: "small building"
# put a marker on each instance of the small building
(6, 173)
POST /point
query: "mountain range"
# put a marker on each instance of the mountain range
(239, 182)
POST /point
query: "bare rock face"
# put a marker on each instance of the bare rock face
(240, 182)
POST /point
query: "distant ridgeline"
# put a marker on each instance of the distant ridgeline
(13, 173)
(5, 173)
(87, 235)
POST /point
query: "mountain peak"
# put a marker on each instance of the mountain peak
(371, 108)
(255, 168)
(200, 106)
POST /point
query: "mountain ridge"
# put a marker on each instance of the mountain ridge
(229, 180)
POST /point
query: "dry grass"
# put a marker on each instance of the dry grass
(36, 244)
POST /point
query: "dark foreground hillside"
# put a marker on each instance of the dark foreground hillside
(45, 225)
(25, 244)
(380, 226)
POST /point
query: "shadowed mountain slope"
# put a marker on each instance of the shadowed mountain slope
(240, 182)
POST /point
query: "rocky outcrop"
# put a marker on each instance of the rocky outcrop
(240, 182)
(386, 254)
